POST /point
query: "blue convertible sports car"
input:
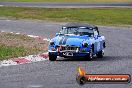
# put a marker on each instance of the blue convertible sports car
(77, 40)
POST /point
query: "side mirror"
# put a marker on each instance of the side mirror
(57, 34)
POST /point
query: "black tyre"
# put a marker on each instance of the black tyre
(90, 55)
(100, 54)
(52, 57)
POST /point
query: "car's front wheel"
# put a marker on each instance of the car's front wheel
(52, 57)
(90, 55)
(100, 54)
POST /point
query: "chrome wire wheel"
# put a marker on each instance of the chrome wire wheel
(91, 54)
(89, 57)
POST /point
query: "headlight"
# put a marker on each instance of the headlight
(85, 44)
(52, 43)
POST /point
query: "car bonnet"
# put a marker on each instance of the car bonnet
(71, 40)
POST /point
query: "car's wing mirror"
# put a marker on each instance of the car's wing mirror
(57, 34)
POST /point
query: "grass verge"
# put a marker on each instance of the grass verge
(14, 45)
(99, 16)
(11, 51)
(71, 1)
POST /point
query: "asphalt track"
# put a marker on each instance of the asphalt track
(62, 73)
(65, 5)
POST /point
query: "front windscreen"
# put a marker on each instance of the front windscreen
(77, 31)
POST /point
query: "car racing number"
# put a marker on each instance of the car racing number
(68, 54)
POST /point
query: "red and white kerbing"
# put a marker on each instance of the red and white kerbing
(26, 59)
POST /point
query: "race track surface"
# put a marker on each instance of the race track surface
(64, 5)
(62, 73)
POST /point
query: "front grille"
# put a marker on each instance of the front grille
(69, 48)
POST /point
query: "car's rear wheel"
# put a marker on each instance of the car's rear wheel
(52, 57)
(100, 54)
